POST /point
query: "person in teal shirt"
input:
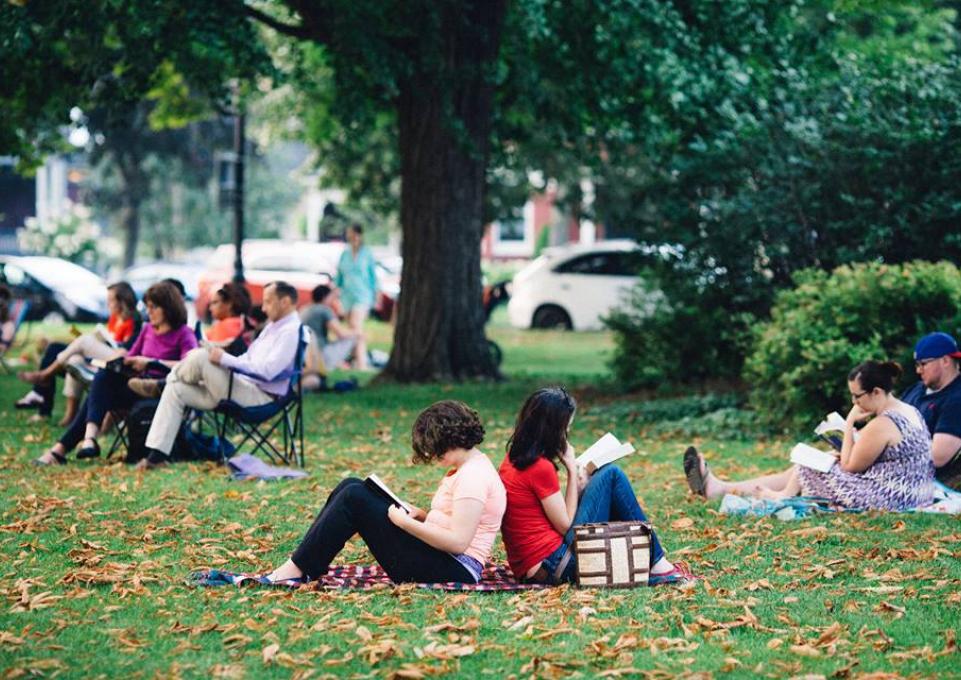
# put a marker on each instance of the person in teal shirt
(357, 281)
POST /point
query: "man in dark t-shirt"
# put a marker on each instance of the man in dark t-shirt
(938, 397)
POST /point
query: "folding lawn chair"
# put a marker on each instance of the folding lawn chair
(18, 312)
(283, 417)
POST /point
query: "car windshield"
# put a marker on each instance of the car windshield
(60, 274)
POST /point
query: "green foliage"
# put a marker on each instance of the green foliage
(830, 322)
(668, 409)
(665, 342)
(72, 236)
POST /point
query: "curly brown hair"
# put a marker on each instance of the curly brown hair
(167, 297)
(443, 426)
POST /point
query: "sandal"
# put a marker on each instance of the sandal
(58, 459)
(89, 451)
(696, 479)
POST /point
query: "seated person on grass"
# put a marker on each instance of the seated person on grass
(322, 321)
(202, 380)
(166, 338)
(123, 326)
(888, 468)
(228, 307)
(451, 542)
(8, 326)
(937, 395)
(539, 523)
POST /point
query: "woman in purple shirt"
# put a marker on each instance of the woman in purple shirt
(165, 339)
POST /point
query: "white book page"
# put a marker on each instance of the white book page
(386, 489)
(810, 457)
(605, 450)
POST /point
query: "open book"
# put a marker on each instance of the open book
(378, 485)
(605, 450)
(831, 430)
(810, 457)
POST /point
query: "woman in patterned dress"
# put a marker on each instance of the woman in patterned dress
(889, 467)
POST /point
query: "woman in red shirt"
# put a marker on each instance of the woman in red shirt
(538, 524)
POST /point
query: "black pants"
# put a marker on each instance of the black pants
(353, 508)
(48, 389)
(108, 392)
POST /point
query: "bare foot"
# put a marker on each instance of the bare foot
(288, 570)
(32, 377)
(769, 495)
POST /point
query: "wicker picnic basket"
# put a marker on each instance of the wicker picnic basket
(613, 554)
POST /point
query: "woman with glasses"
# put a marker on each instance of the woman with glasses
(888, 468)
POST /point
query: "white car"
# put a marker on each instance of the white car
(573, 286)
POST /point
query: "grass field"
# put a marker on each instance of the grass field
(94, 557)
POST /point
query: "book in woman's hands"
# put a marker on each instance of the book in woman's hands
(377, 484)
(831, 429)
(810, 457)
(605, 450)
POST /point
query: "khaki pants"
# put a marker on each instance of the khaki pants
(85, 347)
(200, 384)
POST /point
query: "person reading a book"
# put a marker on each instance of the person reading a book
(210, 375)
(937, 395)
(104, 342)
(888, 468)
(538, 524)
(165, 339)
(450, 542)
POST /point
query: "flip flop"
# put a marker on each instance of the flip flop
(696, 479)
(58, 459)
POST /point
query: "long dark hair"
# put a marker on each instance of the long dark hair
(5, 296)
(541, 427)
(126, 298)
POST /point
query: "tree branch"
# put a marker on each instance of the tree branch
(296, 31)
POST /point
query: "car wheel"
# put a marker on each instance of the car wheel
(497, 354)
(552, 316)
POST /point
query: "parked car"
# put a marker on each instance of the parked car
(142, 276)
(303, 264)
(55, 287)
(573, 286)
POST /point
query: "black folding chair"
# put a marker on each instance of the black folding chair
(281, 419)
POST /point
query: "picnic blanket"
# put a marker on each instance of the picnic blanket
(498, 578)
(946, 501)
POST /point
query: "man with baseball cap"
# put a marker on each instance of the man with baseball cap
(938, 397)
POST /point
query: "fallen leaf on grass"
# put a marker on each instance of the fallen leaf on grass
(886, 606)
(269, 652)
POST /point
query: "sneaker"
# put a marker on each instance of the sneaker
(149, 388)
(30, 400)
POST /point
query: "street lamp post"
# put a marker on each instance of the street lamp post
(239, 144)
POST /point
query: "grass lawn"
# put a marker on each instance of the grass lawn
(94, 556)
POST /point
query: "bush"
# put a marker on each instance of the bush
(830, 322)
(661, 341)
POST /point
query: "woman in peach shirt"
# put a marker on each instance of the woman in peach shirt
(451, 542)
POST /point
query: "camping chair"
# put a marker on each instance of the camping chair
(18, 312)
(258, 424)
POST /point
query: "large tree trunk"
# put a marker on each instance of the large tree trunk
(133, 189)
(444, 119)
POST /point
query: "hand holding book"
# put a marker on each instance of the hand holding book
(605, 450)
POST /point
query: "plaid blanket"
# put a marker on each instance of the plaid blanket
(497, 578)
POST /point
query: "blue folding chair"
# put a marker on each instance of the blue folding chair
(18, 310)
(258, 424)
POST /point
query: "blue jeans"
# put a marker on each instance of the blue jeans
(608, 497)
